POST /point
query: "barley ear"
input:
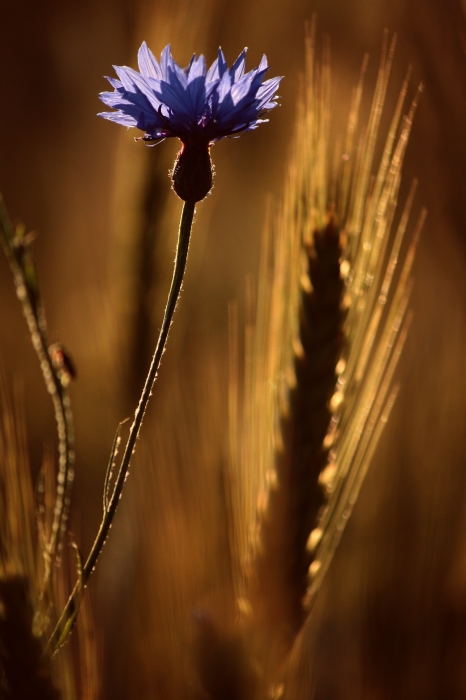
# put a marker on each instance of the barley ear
(337, 322)
(283, 561)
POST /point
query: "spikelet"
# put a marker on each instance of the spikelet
(330, 326)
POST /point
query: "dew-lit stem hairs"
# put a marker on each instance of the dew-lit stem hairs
(18, 249)
(110, 503)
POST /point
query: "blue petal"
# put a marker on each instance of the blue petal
(237, 69)
(242, 88)
(196, 95)
(122, 73)
(141, 85)
(209, 88)
(110, 98)
(197, 68)
(222, 64)
(196, 86)
(176, 99)
(263, 65)
(258, 77)
(114, 83)
(193, 58)
(148, 64)
(165, 60)
(212, 73)
(224, 87)
(119, 118)
(177, 77)
(133, 103)
(266, 91)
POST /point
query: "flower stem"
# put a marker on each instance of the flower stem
(69, 613)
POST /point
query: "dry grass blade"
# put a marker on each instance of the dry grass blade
(325, 357)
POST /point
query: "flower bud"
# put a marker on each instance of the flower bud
(192, 174)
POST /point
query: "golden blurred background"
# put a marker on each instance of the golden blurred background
(391, 620)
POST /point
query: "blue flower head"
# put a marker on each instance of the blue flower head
(197, 105)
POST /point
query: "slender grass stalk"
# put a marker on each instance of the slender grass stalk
(17, 247)
(68, 616)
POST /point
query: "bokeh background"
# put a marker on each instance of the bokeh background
(391, 620)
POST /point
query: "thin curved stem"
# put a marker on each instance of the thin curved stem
(68, 616)
(19, 254)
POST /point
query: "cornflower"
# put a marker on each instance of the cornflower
(198, 106)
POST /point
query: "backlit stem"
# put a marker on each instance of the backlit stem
(69, 613)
